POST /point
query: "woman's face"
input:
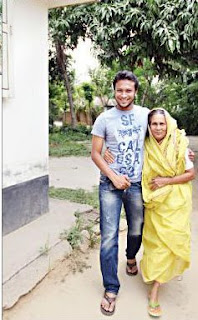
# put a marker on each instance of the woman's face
(158, 127)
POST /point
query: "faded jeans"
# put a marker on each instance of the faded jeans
(111, 200)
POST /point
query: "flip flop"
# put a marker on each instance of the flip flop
(109, 300)
(131, 265)
(154, 309)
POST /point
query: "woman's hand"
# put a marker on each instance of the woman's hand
(108, 157)
(159, 182)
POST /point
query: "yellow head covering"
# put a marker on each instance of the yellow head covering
(165, 159)
(166, 233)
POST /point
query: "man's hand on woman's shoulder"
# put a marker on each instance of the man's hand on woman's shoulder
(191, 155)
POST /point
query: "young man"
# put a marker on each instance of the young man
(123, 129)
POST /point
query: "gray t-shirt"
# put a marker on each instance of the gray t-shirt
(124, 134)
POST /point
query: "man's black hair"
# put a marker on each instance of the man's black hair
(125, 75)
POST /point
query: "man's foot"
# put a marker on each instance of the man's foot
(131, 267)
(108, 303)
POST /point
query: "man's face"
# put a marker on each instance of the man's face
(125, 94)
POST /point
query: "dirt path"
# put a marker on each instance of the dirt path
(74, 289)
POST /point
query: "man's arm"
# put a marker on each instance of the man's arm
(119, 181)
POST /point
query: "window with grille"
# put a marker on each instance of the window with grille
(5, 49)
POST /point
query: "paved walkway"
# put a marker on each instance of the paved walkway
(73, 172)
(64, 294)
(24, 270)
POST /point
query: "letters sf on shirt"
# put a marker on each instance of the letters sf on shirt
(129, 140)
(124, 133)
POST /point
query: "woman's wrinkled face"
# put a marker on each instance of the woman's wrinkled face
(158, 127)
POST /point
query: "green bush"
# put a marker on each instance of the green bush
(73, 236)
(66, 133)
(187, 118)
(81, 130)
(181, 100)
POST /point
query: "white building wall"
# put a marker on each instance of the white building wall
(59, 3)
(25, 113)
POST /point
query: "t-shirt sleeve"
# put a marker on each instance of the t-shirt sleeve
(148, 111)
(189, 163)
(99, 126)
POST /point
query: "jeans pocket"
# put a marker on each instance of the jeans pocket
(106, 184)
(103, 178)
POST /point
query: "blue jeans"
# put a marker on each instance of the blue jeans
(111, 200)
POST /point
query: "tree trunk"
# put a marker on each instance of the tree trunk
(104, 101)
(144, 96)
(89, 114)
(62, 62)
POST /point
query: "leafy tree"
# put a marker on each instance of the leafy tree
(79, 98)
(57, 101)
(187, 115)
(65, 27)
(102, 78)
(89, 95)
(180, 99)
(88, 92)
(147, 77)
(150, 37)
(80, 94)
(164, 32)
(130, 30)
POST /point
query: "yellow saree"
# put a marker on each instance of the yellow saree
(166, 234)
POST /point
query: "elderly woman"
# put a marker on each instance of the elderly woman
(167, 195)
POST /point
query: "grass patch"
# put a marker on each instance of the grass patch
(61, 137)
(68, 149)
(78, 195)
(66, 141)
(73, 235)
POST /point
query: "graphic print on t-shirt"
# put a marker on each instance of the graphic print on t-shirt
(123, 133)
(130, 138)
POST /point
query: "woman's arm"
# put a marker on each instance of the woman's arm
(108, 157)
(159, 182)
